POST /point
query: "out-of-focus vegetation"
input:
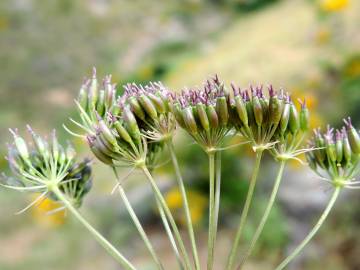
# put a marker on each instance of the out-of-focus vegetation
(309, 47)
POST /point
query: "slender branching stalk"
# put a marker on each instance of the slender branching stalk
(168, 214)
(212, 223)
(105, 243)
(217, 188)
(313, 231)
(244, 214)
(181, 185)
(266, 213)
(170, 235)
(137, 221)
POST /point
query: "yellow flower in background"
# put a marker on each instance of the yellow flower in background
(197, 205)
(40, 212)
(353, 68)
(322, 36)
(333, 5)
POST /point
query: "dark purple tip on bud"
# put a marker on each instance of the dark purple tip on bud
(271, 90)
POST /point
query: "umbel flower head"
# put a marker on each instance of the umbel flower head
(151, 107)
(46, 165)
(337, 155)
(118, 141)
(95, 99)
(204, 113)
(266, 121)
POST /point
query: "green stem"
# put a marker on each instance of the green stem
(102, 241)
(169, 216)
(217, 188)
(313, 231)
(181, 185)
(266, 213)
(212, 228)
(245, 211)
(137, 222)
(170, 234)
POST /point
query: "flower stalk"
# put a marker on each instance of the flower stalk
(186, 208)
(169, 216)
(136, 222)
(244, 214)
(102, 240)
(312, 233)
(266, 214)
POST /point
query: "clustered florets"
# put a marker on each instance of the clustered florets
(45, 163)
(337, 155)
(204, 113)
(267, 121)
(208, 114)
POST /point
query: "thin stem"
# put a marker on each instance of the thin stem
(212, 223)
(217, 188)
(170, 234)
(169, 216)
(313, 231)
(266, 213)
(181, 185)
(245, 211)
(102, 241)
(137, 222)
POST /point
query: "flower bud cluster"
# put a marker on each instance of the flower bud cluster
(336, 153)
(118, 139)
(44, 163)
(204, 113)
(266, 120)
(94, 100)
(151, 107)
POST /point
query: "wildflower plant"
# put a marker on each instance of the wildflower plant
(131, 131)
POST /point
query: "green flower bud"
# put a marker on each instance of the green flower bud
(158, 103)
(353, 136)
(241, 110)
(201, 112)
(148, 106)
(294, 123)
(304, 117)
(136, 107)
(319, 143)
(285, 117)
(20, 145)
(123, 132)
(100, 106)
(107, 132)
(275, 110)
(346, 148)
(39, 143)
(212, 116)
(222, 110)
(189, 120)
(83, 97)
(97, 153)
(339, 147)
(93, 90)
(176, 110)
(330, 149)
(250, 112)
(257, 109)
(131, 124)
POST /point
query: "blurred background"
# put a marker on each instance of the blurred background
(311, 48)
